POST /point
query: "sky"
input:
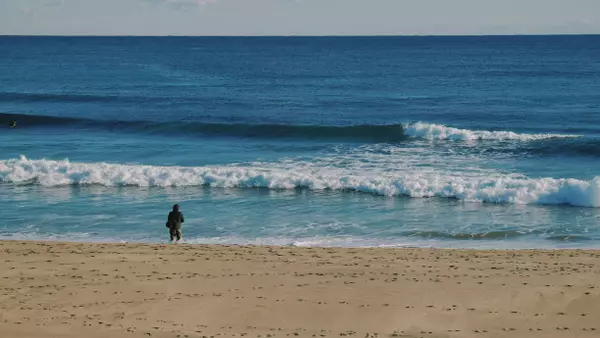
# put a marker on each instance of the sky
(298, 17)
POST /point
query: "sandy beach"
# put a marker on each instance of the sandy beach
(135, 290)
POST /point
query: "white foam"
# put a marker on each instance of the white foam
(309, 241)
(442, 132)
(362, 242)
(376, 178)
(315, 241)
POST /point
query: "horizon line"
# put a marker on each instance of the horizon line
(299, 35)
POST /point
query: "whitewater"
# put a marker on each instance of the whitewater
(369, 174)
(393, 132)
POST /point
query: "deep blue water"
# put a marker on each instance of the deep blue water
(339, 141)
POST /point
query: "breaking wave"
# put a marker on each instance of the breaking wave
(442, 132)
(362, 133)
(495, 189)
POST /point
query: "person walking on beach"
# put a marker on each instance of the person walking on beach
(174, 223)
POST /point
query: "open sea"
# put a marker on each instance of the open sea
(479, 142)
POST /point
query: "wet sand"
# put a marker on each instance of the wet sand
(134, 290)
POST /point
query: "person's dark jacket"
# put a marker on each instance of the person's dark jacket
(175, 218)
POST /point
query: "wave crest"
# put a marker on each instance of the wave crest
(498, 189)
(442, 132)
(384, 133)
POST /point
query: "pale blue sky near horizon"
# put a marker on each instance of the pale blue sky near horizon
(298, 17)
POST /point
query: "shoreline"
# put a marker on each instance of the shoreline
(418, 244)
(68, 289)
(384, 248)
(293, 246)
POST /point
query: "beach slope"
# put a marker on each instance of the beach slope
(136, 290)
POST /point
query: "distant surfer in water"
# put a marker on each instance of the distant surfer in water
(174, 223)
(13, 124)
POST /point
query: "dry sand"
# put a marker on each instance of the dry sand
(134, 290)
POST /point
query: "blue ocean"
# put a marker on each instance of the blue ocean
(478, 142)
